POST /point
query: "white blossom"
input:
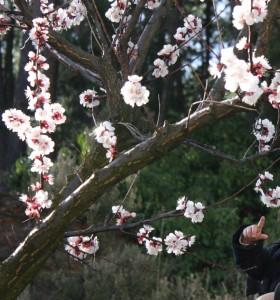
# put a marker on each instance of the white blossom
(153, 245)
(41, 165)
(249, 12)
(144, 233)
(242, 44)
(105, 135)
(81, 246)
(274, 91)
(16, 121)
(176, 243)
(193, 25)
(169, 53)
(134, 93)
(161, 69)
(88, 99)
(194, 211)
(121, 214)
(264, 130)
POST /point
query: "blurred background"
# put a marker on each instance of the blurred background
(121, 268)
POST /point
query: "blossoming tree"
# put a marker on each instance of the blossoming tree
(243, 77)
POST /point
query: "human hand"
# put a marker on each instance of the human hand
(253, 233)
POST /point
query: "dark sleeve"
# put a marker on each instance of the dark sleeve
(255, 259)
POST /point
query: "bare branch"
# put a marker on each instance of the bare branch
(217, 153)
(94, 230)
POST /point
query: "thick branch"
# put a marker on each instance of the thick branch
(19, 269)
(86, 73)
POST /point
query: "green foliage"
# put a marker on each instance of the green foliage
(20, 175)
(83, 144)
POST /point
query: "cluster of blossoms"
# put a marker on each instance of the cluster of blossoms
(243, 75)
(35, 203)
(89, 99)
(39, 34)
(116, 13)
(122, 215)
(264, 132)
(169, 54)
(134, 93)
(249, 12)
(105, 135)
(47, 116)
(192, 26)
(81, 246)
(175, 243)
(248, 77)
(269, 197)
(273, 90)
(63, 19)
(192, 210)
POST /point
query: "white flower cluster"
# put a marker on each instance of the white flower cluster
(118, 7)
(153, 244)
(122, 215)
(5, 23)
(89, 99)
(47, 116)
(134, 93)
(64, 18)
(192, 210)
(192, 26)
(73, 15)
(81, 246)
(274, 91)
(16, 121)
(247, 76)
(169, 54)
(39, 34)
(270, 197)
(175, 243)
(105, 135)
(249, 12)
(240, 75)
(264, 132)
(34, 204)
